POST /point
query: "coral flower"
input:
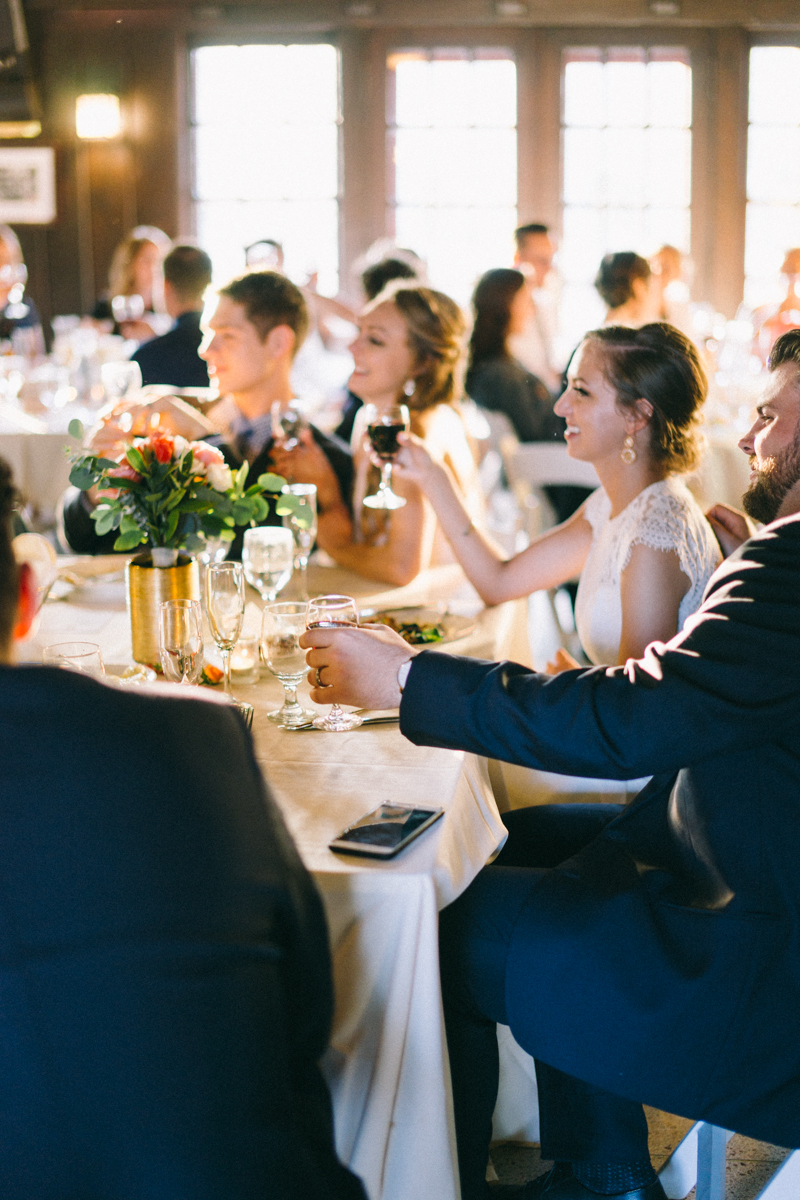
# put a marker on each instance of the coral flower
(124, 471)
(163, 447)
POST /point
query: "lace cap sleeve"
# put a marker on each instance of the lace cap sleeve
(664, 518)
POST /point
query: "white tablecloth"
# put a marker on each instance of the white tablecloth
(387, 1062)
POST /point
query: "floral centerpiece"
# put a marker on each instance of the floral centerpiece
(174, 495)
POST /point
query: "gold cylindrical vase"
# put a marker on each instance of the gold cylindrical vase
(148, 588)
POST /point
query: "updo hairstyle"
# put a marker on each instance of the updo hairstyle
(616, 277)
(659, 364)
(436, 330)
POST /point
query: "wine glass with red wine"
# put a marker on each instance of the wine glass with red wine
(383, 428)
(326, 612)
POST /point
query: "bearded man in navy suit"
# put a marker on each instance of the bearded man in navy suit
(651, 953)
(164, 967)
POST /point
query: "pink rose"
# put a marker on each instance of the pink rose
(124, 471)
(205, 454)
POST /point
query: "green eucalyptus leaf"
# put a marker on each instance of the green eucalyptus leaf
(260, 509)
(240, 477)
(242, 513)
(128, 541)
(269, 482)
(106, 518)
(105, 464)
(75, 429)
(226, 535)
(129, 524)
(81, 477)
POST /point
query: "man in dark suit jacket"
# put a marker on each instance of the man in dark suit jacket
(164, 966)
(653, 957)
(173, 358)
(255, 332)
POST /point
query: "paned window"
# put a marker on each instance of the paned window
(266, 155)
(773, 169)
(452, 154)
(627, 146)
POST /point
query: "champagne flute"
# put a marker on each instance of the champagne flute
(181, 640)
(383, 427)
(281, 626)
(225, 608)
(268, 559)
(303, 524)
(326, 612)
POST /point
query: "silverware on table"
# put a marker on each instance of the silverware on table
(383, 720)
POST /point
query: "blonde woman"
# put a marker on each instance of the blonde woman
(409, 350)
(136, 270)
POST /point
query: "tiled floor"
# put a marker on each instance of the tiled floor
(750, 1163)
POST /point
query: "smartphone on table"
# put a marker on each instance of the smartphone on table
(385, 831)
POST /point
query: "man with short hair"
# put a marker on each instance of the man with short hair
(647, 953)
(164, 961)
(173, 358)
(250, 343)
(534, 346)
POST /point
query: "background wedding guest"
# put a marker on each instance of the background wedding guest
(625, 283)
(648, 953)
(642, 547)
(770, 322)
(533, 344)
(496, 380)
(253, 334)
(672, 273)
(401, 264)
(19, 320)
(173, 358)
(165, 974)
(136, 270)
(408, 351)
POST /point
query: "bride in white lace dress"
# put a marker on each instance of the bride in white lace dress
(642, 547)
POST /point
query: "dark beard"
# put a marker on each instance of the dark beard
(763, 498)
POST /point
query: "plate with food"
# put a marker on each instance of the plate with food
(421, 626)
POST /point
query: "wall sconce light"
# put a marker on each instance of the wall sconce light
(97, 116)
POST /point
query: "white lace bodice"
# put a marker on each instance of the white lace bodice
(665, 516)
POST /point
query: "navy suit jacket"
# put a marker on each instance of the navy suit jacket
(662, 962)
(165, 988)
(173, 358)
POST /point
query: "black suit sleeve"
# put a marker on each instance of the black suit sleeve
(731, 677)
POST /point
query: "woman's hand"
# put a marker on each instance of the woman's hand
(308, 463)
(562, 661)
(730, 527)
(415, 463)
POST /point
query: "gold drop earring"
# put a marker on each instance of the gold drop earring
(628, 455)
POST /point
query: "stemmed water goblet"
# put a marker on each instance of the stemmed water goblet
(303, 524)
(181, 640)
(383, 427)
(326, 612)
(282, 625)
(75, 656)
(268, 559)
(225, 609)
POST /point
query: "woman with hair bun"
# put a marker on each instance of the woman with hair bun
(642, 547)
(409, 351)
(627, 287)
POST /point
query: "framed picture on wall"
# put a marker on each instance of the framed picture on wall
(27, 185)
